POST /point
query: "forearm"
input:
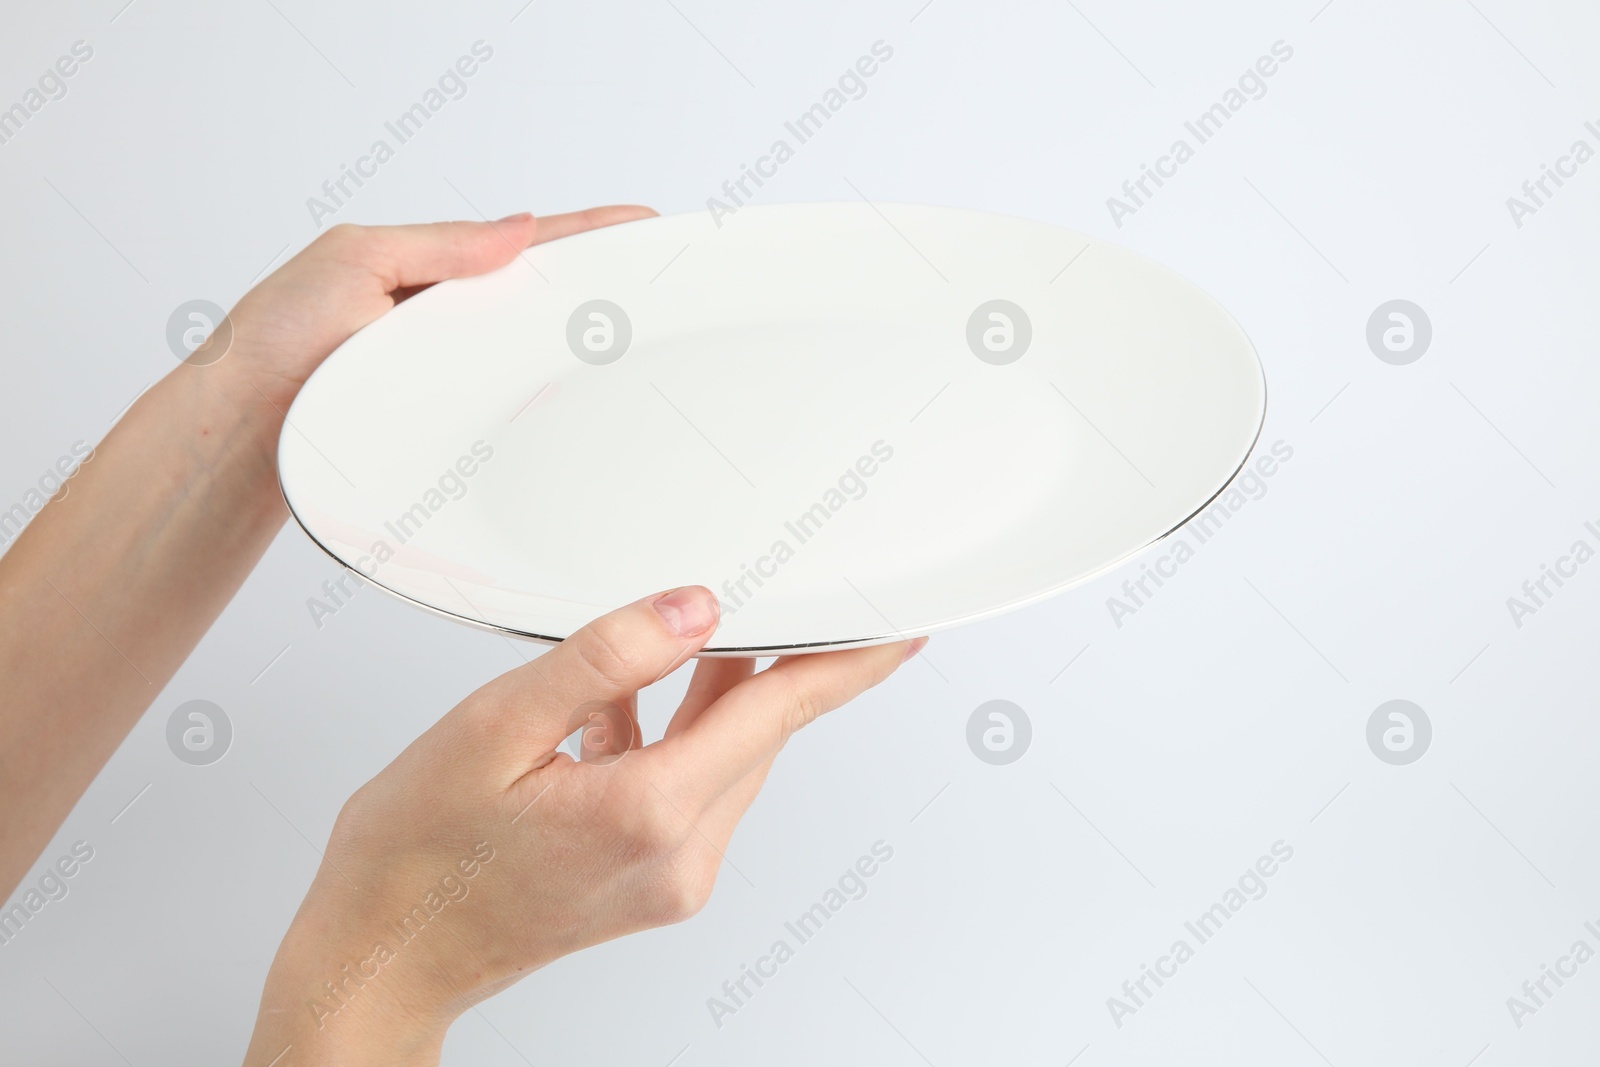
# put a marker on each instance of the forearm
(317, 1006)
(117, 578)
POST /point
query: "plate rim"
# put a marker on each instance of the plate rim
(813, 647)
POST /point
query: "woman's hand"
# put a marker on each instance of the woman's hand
(109, 588)
(284, 327)
(481, 854)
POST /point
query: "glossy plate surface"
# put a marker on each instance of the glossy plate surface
(855, 423)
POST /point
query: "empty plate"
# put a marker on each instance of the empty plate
(855, 423)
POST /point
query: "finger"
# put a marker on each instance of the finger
(411, 257)
(710, 827)
(712, 678)
(747, 726)
(552, 227)
(528, 711)
(406, 257)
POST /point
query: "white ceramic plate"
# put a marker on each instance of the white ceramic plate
(820, 411)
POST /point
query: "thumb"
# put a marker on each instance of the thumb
(405, 257)
(526, 712)
(413, 256)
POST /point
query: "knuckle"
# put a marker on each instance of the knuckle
(656, 831)
(607, 651)
(356, 817)
(679, 892)
(802, 705)
(359, 803)
(343, 237)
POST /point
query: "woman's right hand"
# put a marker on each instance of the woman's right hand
(481, 854)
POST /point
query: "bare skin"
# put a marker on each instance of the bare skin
(121, 574)
(577, 853)
(480, 854)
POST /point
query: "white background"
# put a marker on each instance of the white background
(1221, 718)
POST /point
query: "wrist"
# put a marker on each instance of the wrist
(336, 1007)
(237, 396)
(230, 423)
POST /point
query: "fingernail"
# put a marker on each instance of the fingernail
(521, 216)
(688, 611)
(913, 648)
